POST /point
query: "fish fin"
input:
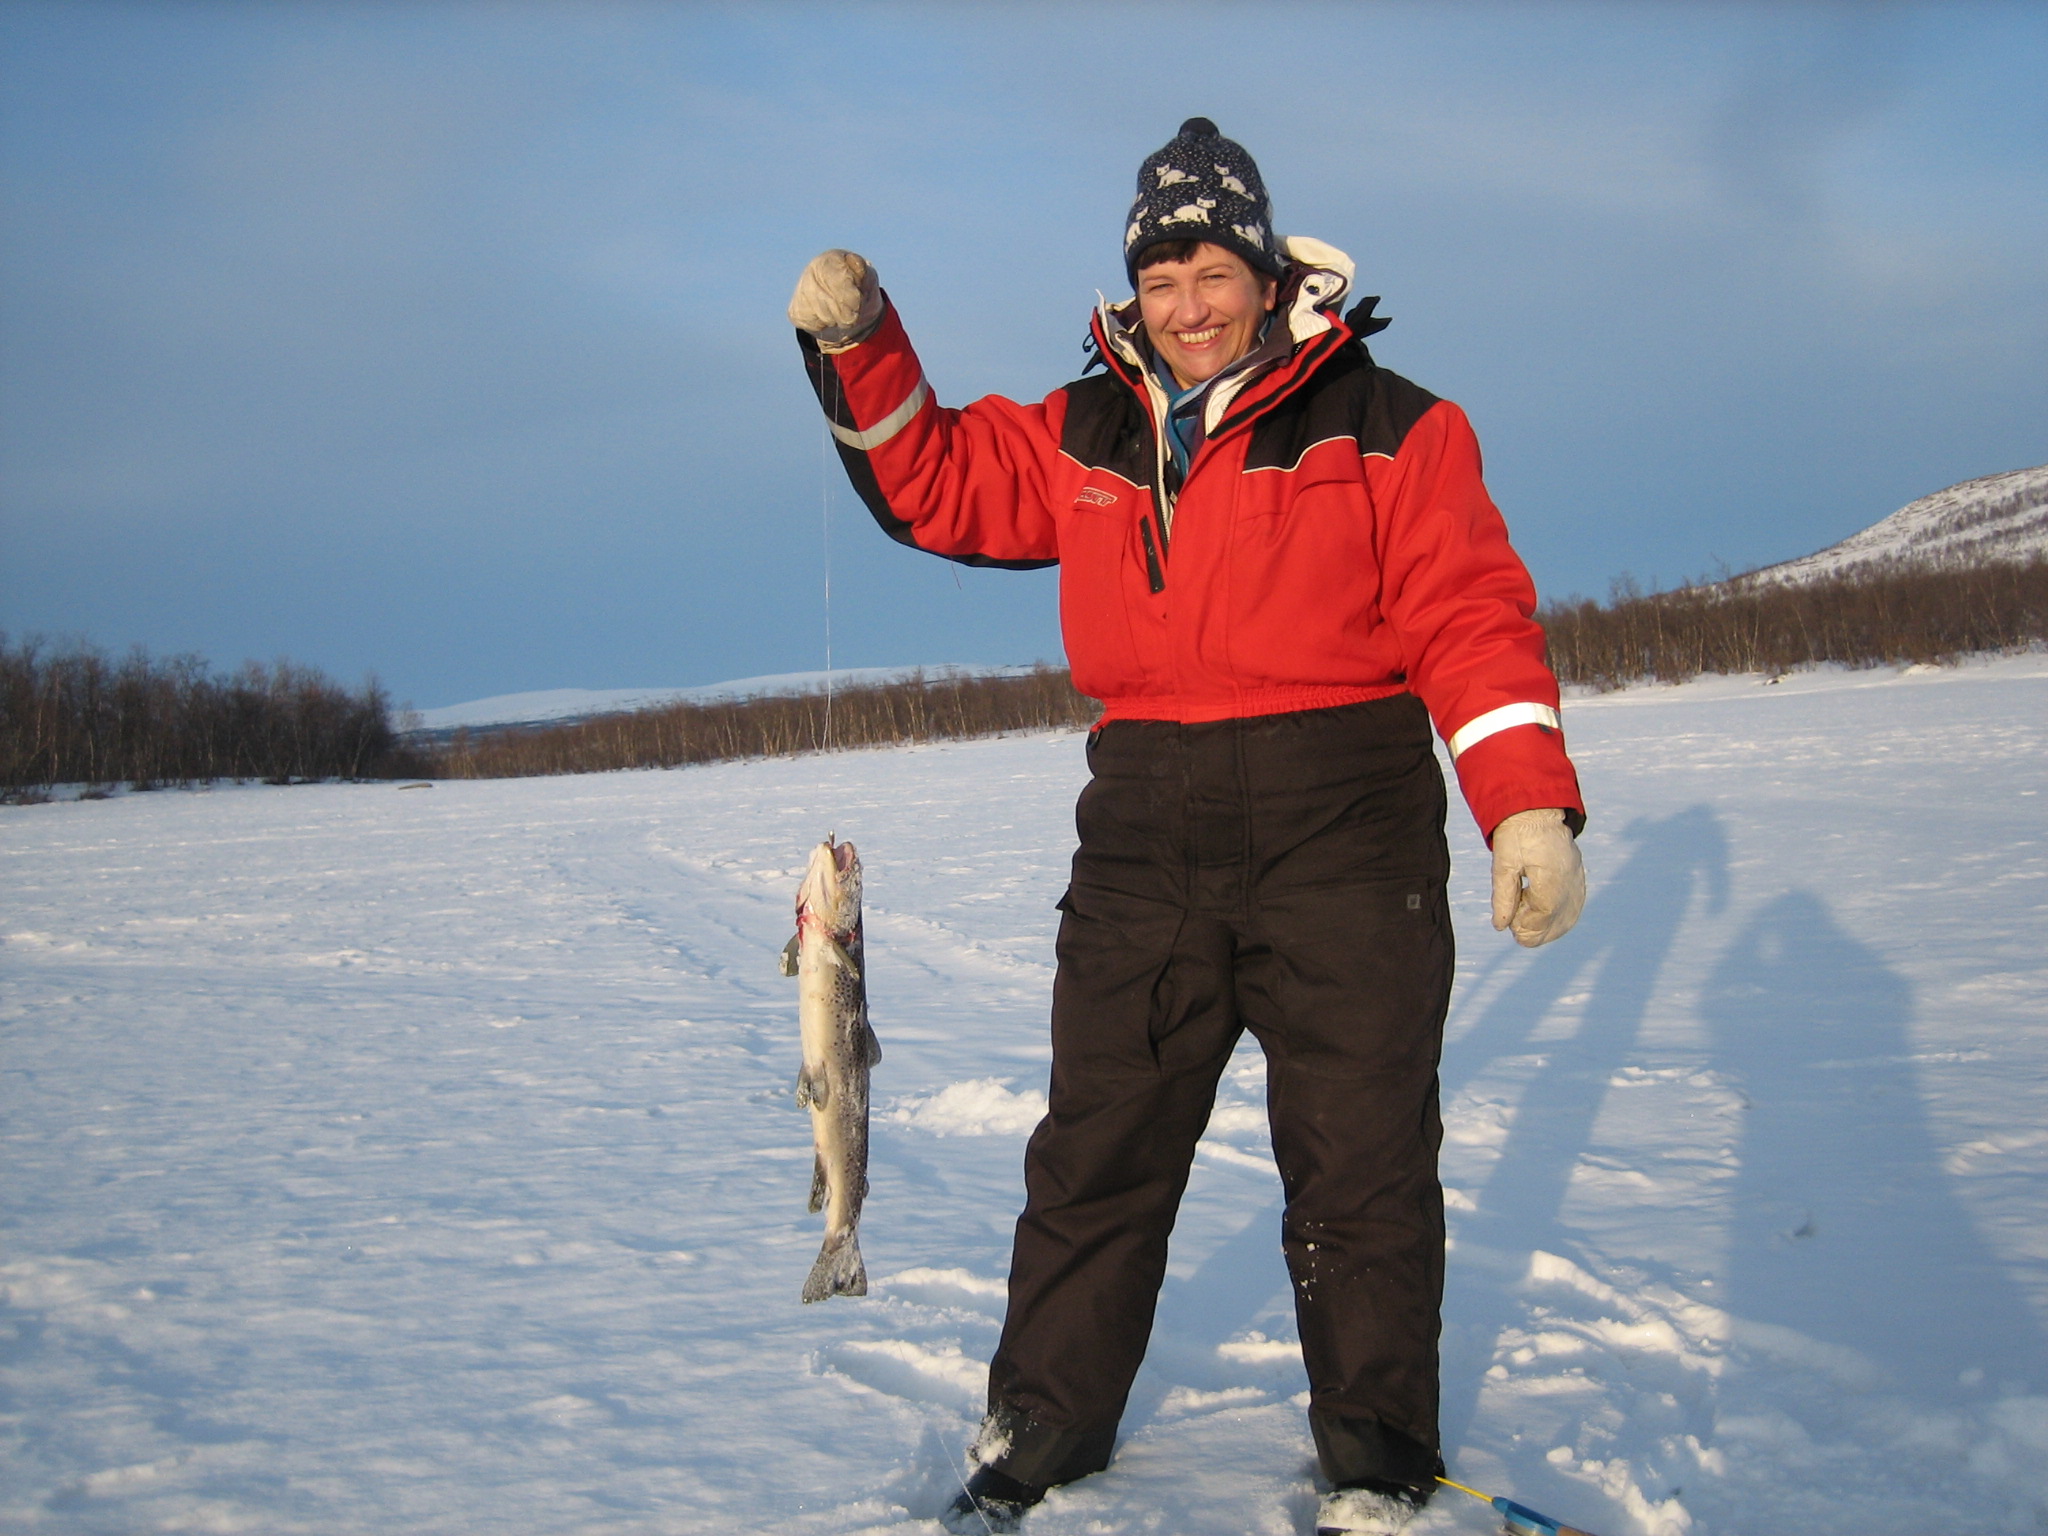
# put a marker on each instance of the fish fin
(817, 1182)
(787, 962)
(874, 1044)
(813, 1090)
(839, 1271)
(839, 955)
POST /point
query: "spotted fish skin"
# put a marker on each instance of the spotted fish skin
(828, 959)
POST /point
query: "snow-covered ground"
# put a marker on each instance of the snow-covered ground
(552, 705)
(385, 1160)
(1994, 518)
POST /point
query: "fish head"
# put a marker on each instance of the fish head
(830, 892)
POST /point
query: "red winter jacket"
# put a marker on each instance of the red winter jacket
(1332, 543)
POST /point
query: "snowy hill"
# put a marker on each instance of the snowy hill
(426, 1161)
(1997, 518)
(560, 706)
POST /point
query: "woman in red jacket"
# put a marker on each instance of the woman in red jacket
(1278, 565)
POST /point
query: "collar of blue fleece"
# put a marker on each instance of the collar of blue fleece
(1184, 428)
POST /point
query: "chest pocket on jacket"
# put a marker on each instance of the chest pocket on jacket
(1322, 506)
(1302, 542)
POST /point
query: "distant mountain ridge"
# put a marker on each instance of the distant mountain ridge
(1997, 519)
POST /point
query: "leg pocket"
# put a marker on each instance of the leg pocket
(1143, 987)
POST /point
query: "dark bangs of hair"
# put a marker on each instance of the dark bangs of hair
(1168, 250)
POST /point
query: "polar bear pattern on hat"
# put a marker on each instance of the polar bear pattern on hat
(1202, 186)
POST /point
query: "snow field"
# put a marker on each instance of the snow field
(428, 1160)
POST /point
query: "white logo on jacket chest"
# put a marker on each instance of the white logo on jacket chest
(1095, 496)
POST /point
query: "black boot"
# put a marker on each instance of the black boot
(1369, 1508)
(993, 1502)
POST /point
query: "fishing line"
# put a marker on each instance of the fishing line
(973, 1503)
(825, 510)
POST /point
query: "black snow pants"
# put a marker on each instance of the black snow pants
(1283, 874)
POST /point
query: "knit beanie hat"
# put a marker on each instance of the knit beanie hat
(1202, 186)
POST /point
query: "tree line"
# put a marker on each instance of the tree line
(73, 715)
(919, 708)
(1870, 617)
(1873, 616)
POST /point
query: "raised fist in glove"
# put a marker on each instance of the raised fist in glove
(838, 300)
(1539, 881)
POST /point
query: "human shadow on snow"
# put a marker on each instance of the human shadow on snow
(1243, 1282)
(1844, 1225)
(1620, 945)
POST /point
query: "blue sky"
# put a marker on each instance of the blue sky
(445, 341)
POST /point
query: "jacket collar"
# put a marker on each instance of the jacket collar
(1318, 278)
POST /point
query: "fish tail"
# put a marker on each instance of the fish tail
(839, 1271)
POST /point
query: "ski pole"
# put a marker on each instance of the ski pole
(1518, 1519)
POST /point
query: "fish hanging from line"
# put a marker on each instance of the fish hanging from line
(839, 1049)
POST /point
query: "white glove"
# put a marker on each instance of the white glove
(1539, 881)
(838, 300)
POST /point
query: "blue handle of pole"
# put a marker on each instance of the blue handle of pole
(1521, 1520)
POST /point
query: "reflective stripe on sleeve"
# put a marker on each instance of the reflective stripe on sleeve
(1474, 731)
(888, 426)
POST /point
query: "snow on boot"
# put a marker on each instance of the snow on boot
(992, 1502)
(1374, 1511)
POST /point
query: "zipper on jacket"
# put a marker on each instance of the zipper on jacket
(1167, 480)
(1165, 473)
(1153, 572)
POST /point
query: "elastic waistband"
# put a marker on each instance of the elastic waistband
(1209, 813)
(1243, 704)
(1340, 741)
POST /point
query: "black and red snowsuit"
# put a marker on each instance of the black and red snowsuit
(1261, 841)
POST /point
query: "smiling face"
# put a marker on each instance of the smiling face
(1204, 313)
